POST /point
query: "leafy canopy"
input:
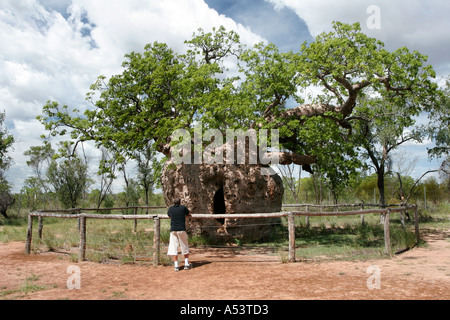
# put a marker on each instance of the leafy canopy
(227, 85)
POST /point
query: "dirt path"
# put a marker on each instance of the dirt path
(225, 274)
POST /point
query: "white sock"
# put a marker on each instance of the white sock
(186, 261)
(176, 264)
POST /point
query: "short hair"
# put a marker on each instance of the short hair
(177, 201)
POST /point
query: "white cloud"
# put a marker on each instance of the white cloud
(54, 50)
(418, 24)
(49, 57)
(124, 26)
(44, 59)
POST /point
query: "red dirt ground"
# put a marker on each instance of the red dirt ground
(224, 274)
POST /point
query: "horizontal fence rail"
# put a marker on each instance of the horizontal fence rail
(83, 216)
(340, 205)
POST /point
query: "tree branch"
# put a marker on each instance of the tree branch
(305, 110)
(415, 184)
(286, 158)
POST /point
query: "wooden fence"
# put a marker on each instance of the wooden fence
(82, 217)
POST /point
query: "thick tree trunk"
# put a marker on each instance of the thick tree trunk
(380, 185)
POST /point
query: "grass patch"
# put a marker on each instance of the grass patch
(12, 229)
(28, 286)
(328, 237)
(348, 242)
(323, 239)
(339, 238)
(435, 216)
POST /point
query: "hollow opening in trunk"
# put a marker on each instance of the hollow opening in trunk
(219, 204)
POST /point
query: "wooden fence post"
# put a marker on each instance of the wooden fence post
(82, 222)
(291, 227)
(387, 232)
(41, 226)
(82, 248)
(29, 234)
(362, 216)
(79, 220)
(416, 224)
(135, 220)
(156, 240)
(307, 217)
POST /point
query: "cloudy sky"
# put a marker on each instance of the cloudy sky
(55, 49)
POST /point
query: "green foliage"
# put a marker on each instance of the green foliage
(438, 128)
(342, 58)
(161, 90)
(70, 180)
(6, 142)
(132, 193)
(363, 188)
(269, 79)
(149, 171)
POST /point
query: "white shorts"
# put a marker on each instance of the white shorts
(178, 239)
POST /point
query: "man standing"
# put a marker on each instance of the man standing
(178, 234)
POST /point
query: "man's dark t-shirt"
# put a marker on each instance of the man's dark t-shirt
(177, 216)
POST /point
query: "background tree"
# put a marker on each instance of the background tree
(149, 171)
(291, 175)
(445, 175)
(31, 192)
(438, 128)
(107, 175)
(384, 134)
(131, 193)
(6, 142)
(69, 178)
(39, 156)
